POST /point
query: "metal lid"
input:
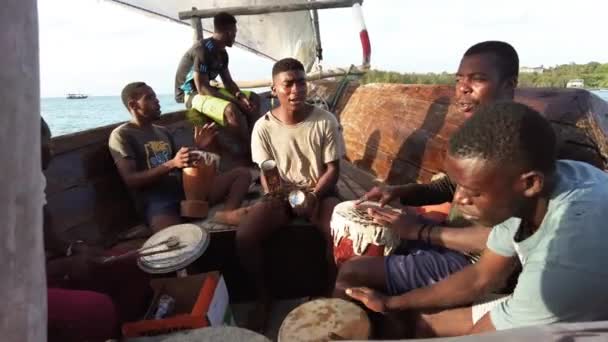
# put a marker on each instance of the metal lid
(296, 198)
(268, 165)
(193, 239)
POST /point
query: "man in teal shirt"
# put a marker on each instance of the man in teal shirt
(548, 214)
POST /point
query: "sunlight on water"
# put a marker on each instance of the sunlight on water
(68, 116)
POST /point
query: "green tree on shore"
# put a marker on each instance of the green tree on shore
(594, 74)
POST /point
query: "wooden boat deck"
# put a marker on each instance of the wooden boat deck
(393, 134)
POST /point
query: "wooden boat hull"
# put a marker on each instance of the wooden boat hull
(399, 133)
(393, 133)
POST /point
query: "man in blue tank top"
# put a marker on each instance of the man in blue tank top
(229, 106)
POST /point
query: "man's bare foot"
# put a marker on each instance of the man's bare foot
(230, 217)
(259, 316)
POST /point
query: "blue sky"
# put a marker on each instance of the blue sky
(99, 53)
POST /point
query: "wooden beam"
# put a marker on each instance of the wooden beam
(253, 10)
(23, 311)
(359, 71)
(197, 25)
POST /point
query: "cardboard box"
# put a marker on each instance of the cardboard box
(200, 300)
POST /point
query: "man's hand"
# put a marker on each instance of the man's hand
(374, 300)
(405, 224)
(382, 194)
(205, 135)
(307, 209)
(245, 104)
(181, 158)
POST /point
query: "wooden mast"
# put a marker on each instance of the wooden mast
(197, 25)
(23, 309)
(196, 15)
(253, 10)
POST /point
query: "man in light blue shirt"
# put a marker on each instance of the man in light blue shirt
(548, 214)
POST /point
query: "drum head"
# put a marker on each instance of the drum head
(317, 320)
(193, 241)
(213, 334)
(353, 222)
(358, 214)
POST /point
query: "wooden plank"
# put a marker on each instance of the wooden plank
(197, 25)
(406, 138)
(263, 9)
(23, 283)
(357, 189)
(344, 191)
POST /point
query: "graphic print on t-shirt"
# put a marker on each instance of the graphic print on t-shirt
(157, 153)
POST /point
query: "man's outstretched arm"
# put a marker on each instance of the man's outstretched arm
(461, 288)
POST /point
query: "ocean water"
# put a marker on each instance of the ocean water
(68, 116)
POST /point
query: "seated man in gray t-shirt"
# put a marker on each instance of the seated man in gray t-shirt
(149, 163)
(548, 214)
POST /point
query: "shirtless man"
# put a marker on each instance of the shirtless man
(149, 163)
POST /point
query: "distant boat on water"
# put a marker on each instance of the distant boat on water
(76, 96)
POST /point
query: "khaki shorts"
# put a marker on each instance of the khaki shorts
(211, 106)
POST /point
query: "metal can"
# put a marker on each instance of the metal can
(272, 176)
(297, 198)
(165, 306)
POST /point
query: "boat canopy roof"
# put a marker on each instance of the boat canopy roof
(273, 35)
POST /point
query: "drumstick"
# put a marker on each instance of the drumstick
(172, 243)
(170, 249)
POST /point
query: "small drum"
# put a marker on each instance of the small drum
(197, 181)
(213, 334)
(355, 233)
(193, 241)
(325, 320)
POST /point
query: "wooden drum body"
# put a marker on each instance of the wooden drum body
(355, 234)
(197, 181)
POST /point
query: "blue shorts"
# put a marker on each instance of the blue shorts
(162, 204)
(420, 267)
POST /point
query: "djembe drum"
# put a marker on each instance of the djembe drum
(192, 243)
(325, 320)
(354, 233)
(197, 181)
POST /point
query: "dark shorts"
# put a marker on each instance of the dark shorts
(420, 267)
(162, 204)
